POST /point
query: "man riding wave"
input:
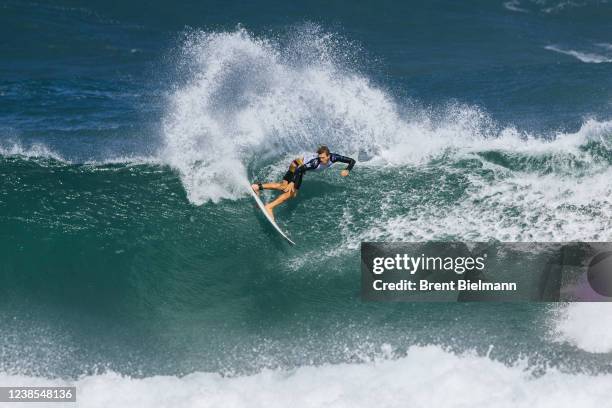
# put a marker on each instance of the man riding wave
(293, 177)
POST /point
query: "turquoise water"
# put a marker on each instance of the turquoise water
(129, 248)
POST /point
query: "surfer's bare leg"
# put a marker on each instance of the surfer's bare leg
(278, 201)
(275, 186)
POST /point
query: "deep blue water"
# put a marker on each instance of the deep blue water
(102, 68)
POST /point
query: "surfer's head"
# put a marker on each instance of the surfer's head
(323, 152)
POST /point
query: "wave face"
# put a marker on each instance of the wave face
(132, 256)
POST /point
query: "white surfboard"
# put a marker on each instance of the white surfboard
(261, 206)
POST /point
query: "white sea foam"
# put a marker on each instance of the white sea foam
(515, 207)
(572, 202)
(560, 6)
(426, 377)
(587, 326)
(130, 160)
(35, 150)
(513, 5)
(587, 57)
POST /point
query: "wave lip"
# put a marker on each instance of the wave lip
(42, 151)
(35, 150)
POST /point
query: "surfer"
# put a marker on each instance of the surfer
(293, 177)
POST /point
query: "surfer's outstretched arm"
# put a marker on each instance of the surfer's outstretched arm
(343, 159)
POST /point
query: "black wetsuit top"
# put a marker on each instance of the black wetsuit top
(315, 164)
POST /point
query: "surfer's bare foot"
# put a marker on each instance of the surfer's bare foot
(269, 210)
(255, 188)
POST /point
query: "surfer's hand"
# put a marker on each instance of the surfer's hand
(344, 173)
(290, 188)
